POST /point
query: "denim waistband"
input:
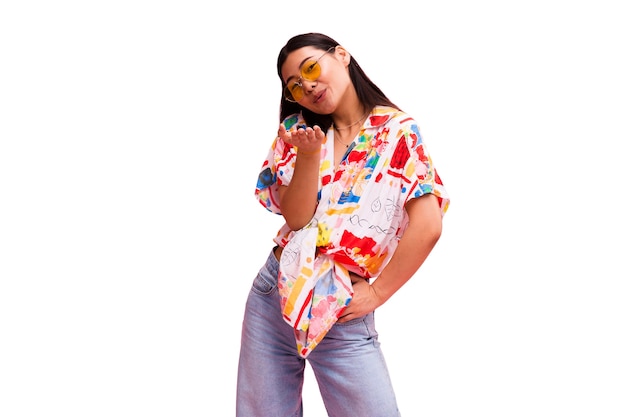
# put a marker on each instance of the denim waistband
(272, 263)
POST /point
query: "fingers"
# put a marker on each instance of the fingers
(350, 315)
(319, 133)
(354, 278)
(283, 133)
(301, 135)
(346, 316)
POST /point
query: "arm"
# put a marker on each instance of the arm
(418, 240)
(298, 201)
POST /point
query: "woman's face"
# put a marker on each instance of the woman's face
(317, 79)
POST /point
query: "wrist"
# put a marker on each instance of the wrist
(300, 152)
(382, 293)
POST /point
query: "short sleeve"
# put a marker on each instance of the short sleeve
(277, 169)
(412, 157)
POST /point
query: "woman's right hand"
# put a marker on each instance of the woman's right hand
(308, 140)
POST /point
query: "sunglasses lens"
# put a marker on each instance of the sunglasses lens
(293, 92)
(311, 70)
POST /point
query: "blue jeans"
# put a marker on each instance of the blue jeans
(348, 364)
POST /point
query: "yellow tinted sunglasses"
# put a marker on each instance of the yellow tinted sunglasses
(309, 71)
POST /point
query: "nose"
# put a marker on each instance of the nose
(308, 86)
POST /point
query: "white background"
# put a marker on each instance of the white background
(132, 133)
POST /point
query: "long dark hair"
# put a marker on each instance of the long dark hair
(368, 93)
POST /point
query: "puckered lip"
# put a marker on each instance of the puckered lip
(319, 96)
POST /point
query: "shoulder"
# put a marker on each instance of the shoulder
(382, 116)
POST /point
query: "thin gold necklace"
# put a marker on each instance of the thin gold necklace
(347, 127)
(341, 141)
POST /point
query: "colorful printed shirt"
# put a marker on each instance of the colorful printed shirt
(359, 219)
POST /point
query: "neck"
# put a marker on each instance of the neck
(349, 131)
(348, 125)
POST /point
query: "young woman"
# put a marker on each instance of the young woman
(363, 208)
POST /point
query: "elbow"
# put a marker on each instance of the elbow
(297, 222)
(295, 226)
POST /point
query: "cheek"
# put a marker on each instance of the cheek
(341, 82)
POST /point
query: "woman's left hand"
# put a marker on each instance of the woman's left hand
(364, 300)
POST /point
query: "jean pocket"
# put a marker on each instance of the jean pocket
(353, 322)
(365, 326)
(262, 286)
